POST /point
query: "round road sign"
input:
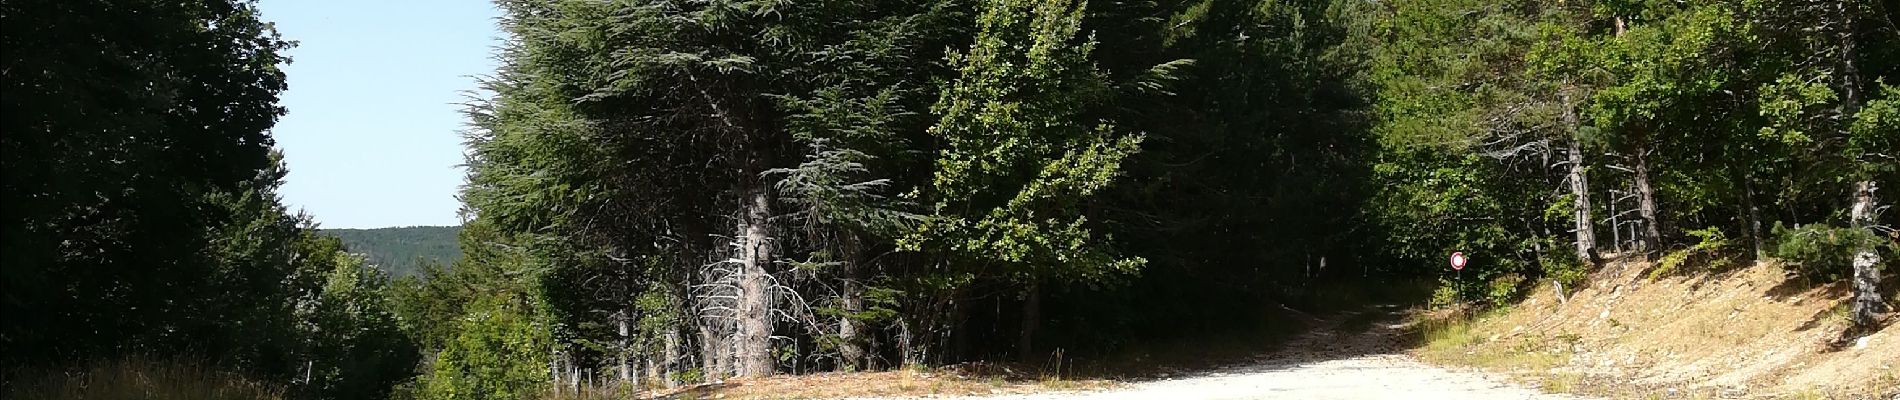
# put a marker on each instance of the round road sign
(1458, 260)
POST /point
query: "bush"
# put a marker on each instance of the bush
(1502, 289)
(1494, 291)
(1711, 251)
(1446, 294)
(355, 347)
(1821, 252)
(1564, 267)
(499, 352)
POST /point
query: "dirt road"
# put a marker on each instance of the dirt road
(1321, 365)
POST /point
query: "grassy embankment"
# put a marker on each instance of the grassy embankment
(1627, 333)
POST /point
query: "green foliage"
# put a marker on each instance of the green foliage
(1502, 290)
(499, 352)
(138, 175)
(357, 348)
(1017, 166)
(1564, 267)
(913, 166)
(429, 304)
(1789, 100)
(1447, 293)
(1664, 69)
(142, 217)
(1711, 252)
(1875, 133)
(1460, 119)
(402, 251)
(1821, 252)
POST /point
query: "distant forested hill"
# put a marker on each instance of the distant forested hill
(400, 250)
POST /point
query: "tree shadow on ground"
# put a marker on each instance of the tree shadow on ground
(1376, 330)
(1796, 285)
(1295, 339)
(700, 391)
(1799, 288)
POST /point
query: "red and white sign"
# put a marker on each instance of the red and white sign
(1458, 260)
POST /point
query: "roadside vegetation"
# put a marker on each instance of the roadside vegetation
(1750, 331)
(668, 194)
(138, 379)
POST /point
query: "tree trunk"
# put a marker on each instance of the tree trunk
(627, 373)
(555, 369)
(1754, 216)
(906, 343)
(573, 372)
(1646, 198)
(1867, 302)
(1580, 189)
(849, 351)
(1032, 319)
(671, 365)
(655, 368)
(1645, 194)
(959, 324)
(712, 353)
(755, 286)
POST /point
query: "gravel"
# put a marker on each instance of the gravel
(1374, 376)
(1320, 365)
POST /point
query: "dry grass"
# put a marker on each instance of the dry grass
(137, 379)
(1745, 332)
(1454, 340)
(1193, 351)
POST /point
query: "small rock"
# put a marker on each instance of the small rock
(1861, 343)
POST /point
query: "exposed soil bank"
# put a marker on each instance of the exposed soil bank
(1751, 332)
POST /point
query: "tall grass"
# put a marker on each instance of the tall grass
(135, 379)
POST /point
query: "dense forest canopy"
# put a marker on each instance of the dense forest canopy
(141, 214)
(402, 251)
(666, 192)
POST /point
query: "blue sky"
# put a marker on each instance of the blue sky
(372, 137)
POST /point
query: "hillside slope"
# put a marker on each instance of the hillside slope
(1748, 332)
(400, 251)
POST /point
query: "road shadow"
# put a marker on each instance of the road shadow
(696, 392)
(1374, 330)
(1378, 330)
(1793, 286)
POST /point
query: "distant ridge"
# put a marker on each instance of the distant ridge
(401, 251)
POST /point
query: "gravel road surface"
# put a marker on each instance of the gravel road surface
(1325, 364)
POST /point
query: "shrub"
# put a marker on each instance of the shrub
(499, 352)
(1821, 252)
(1564, 267)
(1710, 251)
(1500, 290)
(1446, 294)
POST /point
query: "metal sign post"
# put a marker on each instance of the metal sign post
(1458, 264)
